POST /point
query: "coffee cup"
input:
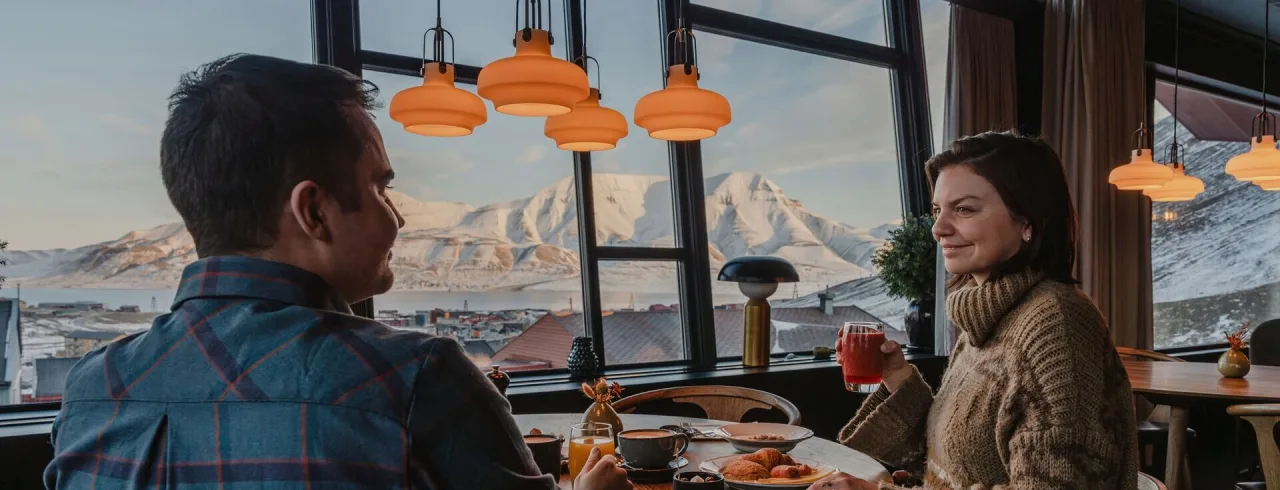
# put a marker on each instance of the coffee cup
(546, 452)
(651, 448)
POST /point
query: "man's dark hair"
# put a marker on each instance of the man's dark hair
(244, 130)
(1031, 181)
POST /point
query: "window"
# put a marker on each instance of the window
(482, 30)
(94, 244)
(807, 171)
(1212, 258)
(491, 233)
(861, 20)
(935, 18)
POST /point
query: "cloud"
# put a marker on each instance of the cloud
(531, 154)
(128, 125)
(31, 126)
(428, 166)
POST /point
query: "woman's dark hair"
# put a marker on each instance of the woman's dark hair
(1030, 179)
(243, 130)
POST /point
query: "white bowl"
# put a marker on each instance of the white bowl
(740, 436)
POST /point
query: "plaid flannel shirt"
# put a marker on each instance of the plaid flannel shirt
(260, 377)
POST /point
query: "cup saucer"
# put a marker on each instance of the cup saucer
(658, 475)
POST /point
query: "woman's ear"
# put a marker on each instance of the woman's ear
(1026, 233)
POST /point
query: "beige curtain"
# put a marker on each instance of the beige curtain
(982, 95)
(1094, 98)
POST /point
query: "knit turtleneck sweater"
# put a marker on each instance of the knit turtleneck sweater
(1035, 397)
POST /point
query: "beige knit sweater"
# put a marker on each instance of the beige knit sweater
(1035, 397)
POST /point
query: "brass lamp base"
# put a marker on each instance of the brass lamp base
(755, 333)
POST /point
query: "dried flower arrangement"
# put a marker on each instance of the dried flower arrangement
(1237, 338)
(602, 392)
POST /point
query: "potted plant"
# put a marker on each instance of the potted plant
(907, 266)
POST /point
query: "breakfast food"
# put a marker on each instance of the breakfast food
(744, 470)
(701, 479)
(765, 437)
(763, 464)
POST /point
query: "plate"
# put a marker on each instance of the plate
(738, 435)
(660, 475)
(822, 470)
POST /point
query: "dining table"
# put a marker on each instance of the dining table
(1180, 385)
(701, 449)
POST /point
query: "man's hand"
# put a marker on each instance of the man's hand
(602, 473)
(843, 481)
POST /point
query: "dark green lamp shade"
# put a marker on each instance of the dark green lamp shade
(759, 270)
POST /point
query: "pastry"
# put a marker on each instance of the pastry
(744, 470)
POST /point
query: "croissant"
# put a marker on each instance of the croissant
(743, 470)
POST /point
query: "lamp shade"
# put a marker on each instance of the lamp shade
(1261, 162)
(437, 107)
(1269, 185)
(532, 83)
(589, 127)
(682, 111)
(759, 269)
(1181, 187)
(1140, 173)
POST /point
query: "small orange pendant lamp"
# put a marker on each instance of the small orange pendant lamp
(1182, 187)
(683, 111)
(1141, 173)
(533, 83)
(437, 107)
(589, 126)
(1262, 161)
(1269, 185)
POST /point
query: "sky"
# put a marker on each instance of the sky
(81, 120)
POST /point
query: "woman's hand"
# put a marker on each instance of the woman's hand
(843, 481)
(896, 370)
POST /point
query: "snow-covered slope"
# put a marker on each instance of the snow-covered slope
(519, 243)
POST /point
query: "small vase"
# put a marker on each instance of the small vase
(582, 360)
(499, 379)
(1233, 363)
(603, 413)
(919, 323)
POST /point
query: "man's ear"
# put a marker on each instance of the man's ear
(305, 204)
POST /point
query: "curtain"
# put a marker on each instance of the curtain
(981, 96)
(1094, 98)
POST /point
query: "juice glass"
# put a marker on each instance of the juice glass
(583, 437)
(858, 351)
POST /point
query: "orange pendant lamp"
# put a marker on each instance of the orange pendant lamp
(437, 107)
(1182, 187)
(1142, 172)
(1269, 185)
(589, 127)
(1262, 161)
(533, 83)
(683, 111)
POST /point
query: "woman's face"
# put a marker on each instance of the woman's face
(974, 227)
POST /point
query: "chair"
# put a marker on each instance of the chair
(1154, 430)
(728, 403)
(1264, 343)
(1264, 418)
(1148, 482)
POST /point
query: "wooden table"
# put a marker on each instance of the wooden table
(1181, 384)
(844, 458)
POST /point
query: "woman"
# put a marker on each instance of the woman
(1035, 396)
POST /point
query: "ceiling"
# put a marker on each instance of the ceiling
(1244, 15)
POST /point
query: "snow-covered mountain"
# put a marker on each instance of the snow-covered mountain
(531, 242)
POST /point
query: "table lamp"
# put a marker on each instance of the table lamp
(757, 278)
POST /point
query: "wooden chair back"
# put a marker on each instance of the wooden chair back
(1264, 418)
(1264, 344)
(719, 402)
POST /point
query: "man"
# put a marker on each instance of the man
(261, 377)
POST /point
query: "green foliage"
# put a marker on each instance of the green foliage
(907, 260)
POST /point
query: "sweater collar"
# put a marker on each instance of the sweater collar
(977, 310)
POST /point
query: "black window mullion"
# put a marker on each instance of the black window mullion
(790, 37)
(689, 203)
(638, 253)
(399, 64)
(911, 104)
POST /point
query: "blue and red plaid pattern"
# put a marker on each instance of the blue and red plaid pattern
(260, 377)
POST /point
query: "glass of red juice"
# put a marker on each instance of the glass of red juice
(858, 351)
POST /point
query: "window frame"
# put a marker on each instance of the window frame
(337, 42)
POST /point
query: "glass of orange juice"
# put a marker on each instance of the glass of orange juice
(583, 437)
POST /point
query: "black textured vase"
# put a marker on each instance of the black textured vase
(500, 379)
(919, 322)
(582, 359)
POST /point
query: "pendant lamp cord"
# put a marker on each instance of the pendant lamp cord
(1174, 153)
(437, 44)
(533, 20)
(686, 44)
